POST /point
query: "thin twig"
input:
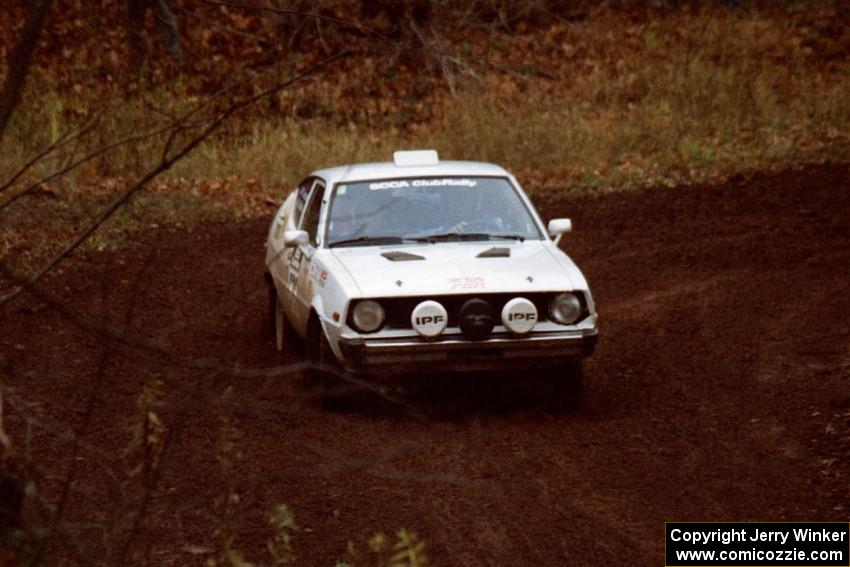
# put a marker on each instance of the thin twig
(63, 139)
(96, 153)
(225, 28)
(164, 165)
(179, 122)
(301, 14)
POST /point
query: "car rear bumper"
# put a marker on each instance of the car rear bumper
(412, 354)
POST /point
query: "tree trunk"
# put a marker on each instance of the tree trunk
(19, 60)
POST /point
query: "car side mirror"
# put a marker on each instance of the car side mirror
(559, 227)
(295, 238)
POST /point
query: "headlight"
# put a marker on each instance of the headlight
(368, 316)
(565, 309)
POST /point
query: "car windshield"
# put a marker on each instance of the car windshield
(427, 210)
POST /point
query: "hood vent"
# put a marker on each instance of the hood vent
(495, 252)
(398, 256)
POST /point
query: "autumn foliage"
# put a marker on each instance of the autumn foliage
(571, 96)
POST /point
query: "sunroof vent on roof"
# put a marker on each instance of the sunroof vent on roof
(416, 158)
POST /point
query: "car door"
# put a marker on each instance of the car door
(280, 257)
(299, 284)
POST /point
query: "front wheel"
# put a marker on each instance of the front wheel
(280, 324)
(319, 354)
(285, 337)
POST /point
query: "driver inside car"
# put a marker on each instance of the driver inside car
(478, 214)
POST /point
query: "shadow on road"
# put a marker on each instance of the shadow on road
(448, 397)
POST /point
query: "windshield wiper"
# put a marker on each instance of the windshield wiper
(366, 240)
(430, 239)
(517, 237)
(468, 236)
(373, 240)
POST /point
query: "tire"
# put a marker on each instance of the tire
(282, 331)
(269, 321)
(280, 326)
(318, 353)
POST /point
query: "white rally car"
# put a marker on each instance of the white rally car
(424, 265)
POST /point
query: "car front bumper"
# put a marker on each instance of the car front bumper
(502, 352)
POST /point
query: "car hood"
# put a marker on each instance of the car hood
(454, 268)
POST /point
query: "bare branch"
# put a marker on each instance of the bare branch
(301, 14)
(95, 154)
(67, 137)
(164, 165)
(61, 432)
(119, 339)
(419, 45)
(178, 122)
(224, 28)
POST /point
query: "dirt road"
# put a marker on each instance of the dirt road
(720, 390)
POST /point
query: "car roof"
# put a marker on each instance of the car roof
(389, 170)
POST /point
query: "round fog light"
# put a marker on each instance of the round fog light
(565, 309)
(429, 318)
(368, 316)
(519, 315)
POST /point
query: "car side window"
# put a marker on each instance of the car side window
(311, 215)
(301, 196)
